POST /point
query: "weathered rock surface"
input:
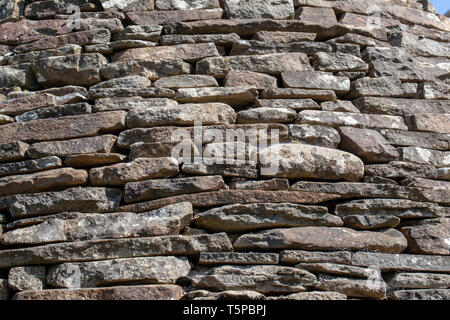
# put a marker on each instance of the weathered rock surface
(399, 169)
(165, 17)
(224, 167)
(323, 238)
(242, 218)
(240, 258)
(428, 122)
(27, 278)
(428, 239)
(13, 151)
(312, 296)
(264, 279)
(362, 222)
(186, 81)
(423, 294)
(304, 161)
(298, 256)
(153, 270)
(353, 287)
(139, 169)
(145, 292)
(406, 280)
(235, 9)
(30, 166)
(89, 160)
(234, 96)
(315, 80)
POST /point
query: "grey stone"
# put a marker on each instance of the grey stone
(234, 96)
(362, 222)
(254, 9)
(30, 166)
(295, 104)
(186, 81)
(399, 169)
(186, 4)
(353, 287)
(266, 115)
(382, 87)
(27, 278)
(422, 294)
(315, 80)
(224, 167)
(406, 280)
(315, 135)
(298, 256)
(239, 258)
(254, 47)
(334, 62)
(55, 112)
(13, 151)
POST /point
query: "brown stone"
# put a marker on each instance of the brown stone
(93, 160)
(250, 79)
(27, 103)
(164, 17)
(430, 122)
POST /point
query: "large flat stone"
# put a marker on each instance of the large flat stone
(234, 96)
(153, 270)
(399, 169)
(409, 280)
(400, 107)
(164, 17)
(224, 167)
(315, 135)
(239, 258)
(248, 217)
(63, 128)
(186, 4)
(30, 166)
(225, 197)
(299, 256)
(139, 169)
(186, 81)
(375, 289)
(428, 140)
(429, 122)
(41, 181)
(422, 294)
(428, 239)
(27, 103)
(382, 87)
(435, 158)
(115, 249)
(145, 292)
(315, 80)
(304, 161)
(236, 9)
(160, 188)
(254, 47)
(323, 238)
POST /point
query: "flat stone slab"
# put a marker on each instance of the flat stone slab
(239, 258)
(300, 256)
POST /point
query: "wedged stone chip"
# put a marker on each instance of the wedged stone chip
(82, 70)
(311, 295)
(295, 104)
(154, 270)
(93, 159)
(98, 144)
(30, 166)
(217, 39)
(399, 169)
(186, 4)
(116, 249)
(382, 87)
(422, 294)
(425, 156)
(273, 64)
(254, 9)
(298, 256)
(248, 217)
(240, 258)
(272, 184)
(160, 188)
(64, 127)
(428, 140)
(405, 209)
(304, 161)
(186, 81)
(400, 107)
(77, 199)
(41, 181)
(402, 262)
(27, 103)
(339, 106)
(55, 112)
(82, 38)
(27, 278)
(145, 292)
(245, 295)
(339, 269)
(249, 78)
(234, 96)
(434, 91)
(358, 120)
(264, 279)
(225, 197)
(361, 222)
(315, 135)
(13, 151)
(151, 69)
(246, 132)
(323, 238)
(186, 52)
(185, 114)
(353, 287)
(334, 62)
(164, 17)
(439, 123)
(139, 169)
(406, 280)
(428, 239)
(266, 115)
(254, 47)
(283, 37)
(128, 5)
(224, 167)
(367, 144)
(128, 103)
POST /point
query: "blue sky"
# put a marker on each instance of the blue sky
(442, 6)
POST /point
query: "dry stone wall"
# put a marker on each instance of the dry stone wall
(336, 184)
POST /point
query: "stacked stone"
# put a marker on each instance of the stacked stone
(94, 205)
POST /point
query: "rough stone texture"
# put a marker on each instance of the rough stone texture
(304, 161)
(242, 218)
(146, 292)
(323, 238)
(324, 147)
(155, 270)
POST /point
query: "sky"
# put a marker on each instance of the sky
(442, 6)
